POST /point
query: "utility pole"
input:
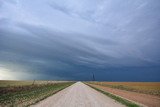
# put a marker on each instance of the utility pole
(93, 78)
(33, 82)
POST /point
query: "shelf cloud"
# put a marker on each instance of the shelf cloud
(70, 40)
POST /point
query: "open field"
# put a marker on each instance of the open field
(25, 93)
(138, 96)
(152, 88)
(9, 83)
(115, 94)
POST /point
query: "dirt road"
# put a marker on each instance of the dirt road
(78, 95)
(148, 100)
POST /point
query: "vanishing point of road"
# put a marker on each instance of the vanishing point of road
(78, 95)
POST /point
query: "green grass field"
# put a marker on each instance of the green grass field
(25, 93)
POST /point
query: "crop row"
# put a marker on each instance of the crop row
(27, 95)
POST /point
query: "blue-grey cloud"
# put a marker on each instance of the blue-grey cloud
(116, 40)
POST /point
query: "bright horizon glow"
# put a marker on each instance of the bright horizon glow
(6, 74)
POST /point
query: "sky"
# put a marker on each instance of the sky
(116, 40)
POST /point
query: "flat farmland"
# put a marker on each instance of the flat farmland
(77, 94)
(10, 83)
(143, 93)
(152, 88)
(25, 93)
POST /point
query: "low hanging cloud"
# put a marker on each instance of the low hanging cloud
(69, 41)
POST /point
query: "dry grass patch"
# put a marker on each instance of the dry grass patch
(152, 88)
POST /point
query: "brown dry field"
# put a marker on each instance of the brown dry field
(14, 83)
(145, 99)
(152, 88)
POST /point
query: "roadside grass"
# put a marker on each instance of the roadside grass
(152, 88)
(117, 98)
(27, 95)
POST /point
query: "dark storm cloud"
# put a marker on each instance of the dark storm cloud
(116, 42)
(59, 8)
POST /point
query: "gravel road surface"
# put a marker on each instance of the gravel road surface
(78, 95)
